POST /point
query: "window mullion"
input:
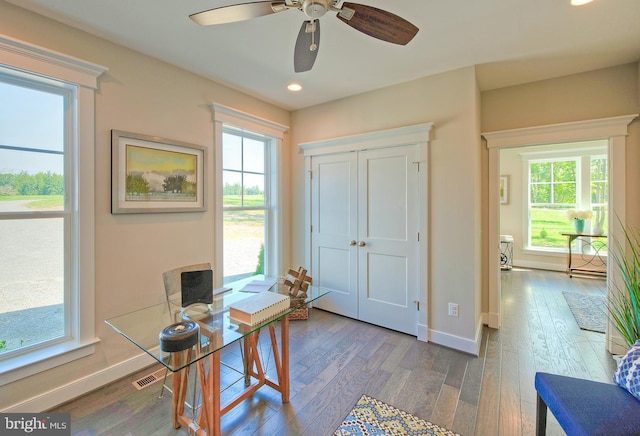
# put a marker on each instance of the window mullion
(585, 182)
(242, 170)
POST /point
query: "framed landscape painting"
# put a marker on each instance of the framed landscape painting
(151, 174)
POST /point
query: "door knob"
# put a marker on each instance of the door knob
(361, 244)
(353, 242)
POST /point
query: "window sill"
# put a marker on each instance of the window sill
(28, 364)
(536, 251)
(554, 252)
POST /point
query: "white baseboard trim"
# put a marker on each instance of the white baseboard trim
(471, 346)
(615, 344)
(540, 265)
(48, 400)
(423, 333)
(491, 319)
(479, 329)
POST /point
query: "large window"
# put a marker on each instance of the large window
(249, 214)
(577, 180)
(245, 202)
(34, 182)
(47, 193)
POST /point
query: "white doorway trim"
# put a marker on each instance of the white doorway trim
(613, 129)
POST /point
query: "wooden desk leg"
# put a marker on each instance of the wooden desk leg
(213, 393)
(205, 417)
(276, 352)
(247, 361)
(208, 422)
(284, 343)
(179, 382)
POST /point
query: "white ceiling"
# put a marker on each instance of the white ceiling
(511, 42)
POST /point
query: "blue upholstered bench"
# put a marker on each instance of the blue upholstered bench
(585, 407)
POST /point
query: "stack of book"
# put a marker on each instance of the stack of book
(259, 307)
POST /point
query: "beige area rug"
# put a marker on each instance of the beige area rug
(588, 310)
(371, 417)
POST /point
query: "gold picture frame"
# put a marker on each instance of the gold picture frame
(156, 175)
(504, 189)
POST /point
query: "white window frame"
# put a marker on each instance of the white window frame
(582, 157)
(266, 207)
(23, 59)
(274, 247)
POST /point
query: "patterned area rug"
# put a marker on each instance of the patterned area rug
(373, 417)
(588, 310)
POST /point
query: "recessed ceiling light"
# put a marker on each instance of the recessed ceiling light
(580, 2)
(295, 87)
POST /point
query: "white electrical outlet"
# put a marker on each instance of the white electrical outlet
(453, 309)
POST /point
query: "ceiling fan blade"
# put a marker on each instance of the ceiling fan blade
(241, 12)
(378, 23)
(307, 46)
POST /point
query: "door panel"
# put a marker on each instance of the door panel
(334, 273)
(364, 237)
(385, 273)
(388, 225)
(333, 200)
(334, 226)
(385, 192)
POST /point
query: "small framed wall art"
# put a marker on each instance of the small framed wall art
(152, 175)
(504, 189)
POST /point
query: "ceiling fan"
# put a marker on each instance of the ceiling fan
(371, 21)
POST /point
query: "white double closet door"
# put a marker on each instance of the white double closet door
(364, 235)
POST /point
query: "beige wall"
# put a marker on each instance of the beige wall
(596, 94)
(142, 95)
(450, 101)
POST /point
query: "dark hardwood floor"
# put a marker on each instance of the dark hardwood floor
(335, 360)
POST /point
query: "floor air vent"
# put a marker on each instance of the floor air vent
(149, 379)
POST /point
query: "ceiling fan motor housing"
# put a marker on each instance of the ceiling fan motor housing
(315, 8)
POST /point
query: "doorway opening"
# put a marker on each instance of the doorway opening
(614, 131)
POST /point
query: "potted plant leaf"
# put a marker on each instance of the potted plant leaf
(624, 302)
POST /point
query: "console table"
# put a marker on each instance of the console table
(216, 331)
(592, 258)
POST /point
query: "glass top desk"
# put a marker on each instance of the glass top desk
(216, 331)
